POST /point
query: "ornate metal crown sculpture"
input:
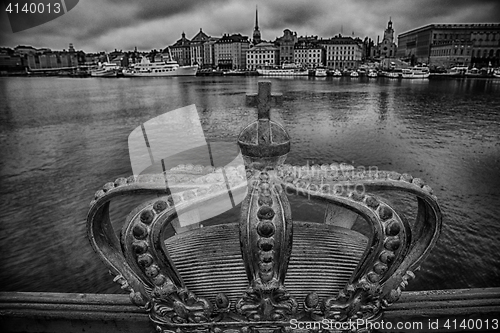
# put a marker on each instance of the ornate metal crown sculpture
(258, 274)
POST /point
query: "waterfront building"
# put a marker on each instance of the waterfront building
(256, 37)
(449, 53)
(308, 53)
(262, 55)
(197, 50)
(10, 61)
(286, 44)
(486, 46)
(230, 51)
(181, 51)
(450, 45)
(342, 52)
(47, 59)
(209, 53)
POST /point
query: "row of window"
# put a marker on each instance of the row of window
(487, 36)
(341, 64)
(335, 48)
(341, 52)
(260, 56)
(303, 55)
(344, 57)
(447, 52)
(475, 53)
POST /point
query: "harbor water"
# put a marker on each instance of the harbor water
(61, 139)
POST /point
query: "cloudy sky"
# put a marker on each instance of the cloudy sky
(95, 25)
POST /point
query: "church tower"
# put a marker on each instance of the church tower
(387, 49)
(256, 32)
(389, 32)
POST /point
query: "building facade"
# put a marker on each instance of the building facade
(196, 48)
(486, 47)
(309, 55)
(449, 45)
(209, 53)
(181, 51)
(230, 51)
(286, 44)
(449, 53)
(262, 55)
(342, 52)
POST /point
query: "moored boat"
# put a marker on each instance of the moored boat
(285, 70)
(234, 72)
(105, 69)
(282, 72)
(320, 72)
(455, 71)
(473, 72)
(337, 73)
(394, 73)
(372, 73)
(159, 68)
(417, 72)
(354, 74)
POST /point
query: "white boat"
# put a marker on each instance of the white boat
(473, 72)
(159, 68)
(393, 74)
(362, 71)
(320, 72)
(354, 74)
(337, 73)
(372, 74)
(282, 72)
(456, 71)
(105, 69)
(496, 73)
(285, 70)
(417, 72)
(234, 72)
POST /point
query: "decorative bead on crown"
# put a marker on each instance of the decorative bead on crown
(259, 273)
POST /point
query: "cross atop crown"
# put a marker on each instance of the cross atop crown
(264, 100)
(264, 141)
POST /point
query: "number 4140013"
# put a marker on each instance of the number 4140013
(34, 8)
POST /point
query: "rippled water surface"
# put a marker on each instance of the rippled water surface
(61, 139)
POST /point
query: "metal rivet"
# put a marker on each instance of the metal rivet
(139, 231)
(265, 229)
(147, 216)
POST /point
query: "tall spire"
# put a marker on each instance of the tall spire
(256, 18)
(256, 32)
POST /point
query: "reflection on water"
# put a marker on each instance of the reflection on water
(61, 139)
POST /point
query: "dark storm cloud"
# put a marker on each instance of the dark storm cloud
(165, 8)
(296, 13)
(107, 24)
(142, 11)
